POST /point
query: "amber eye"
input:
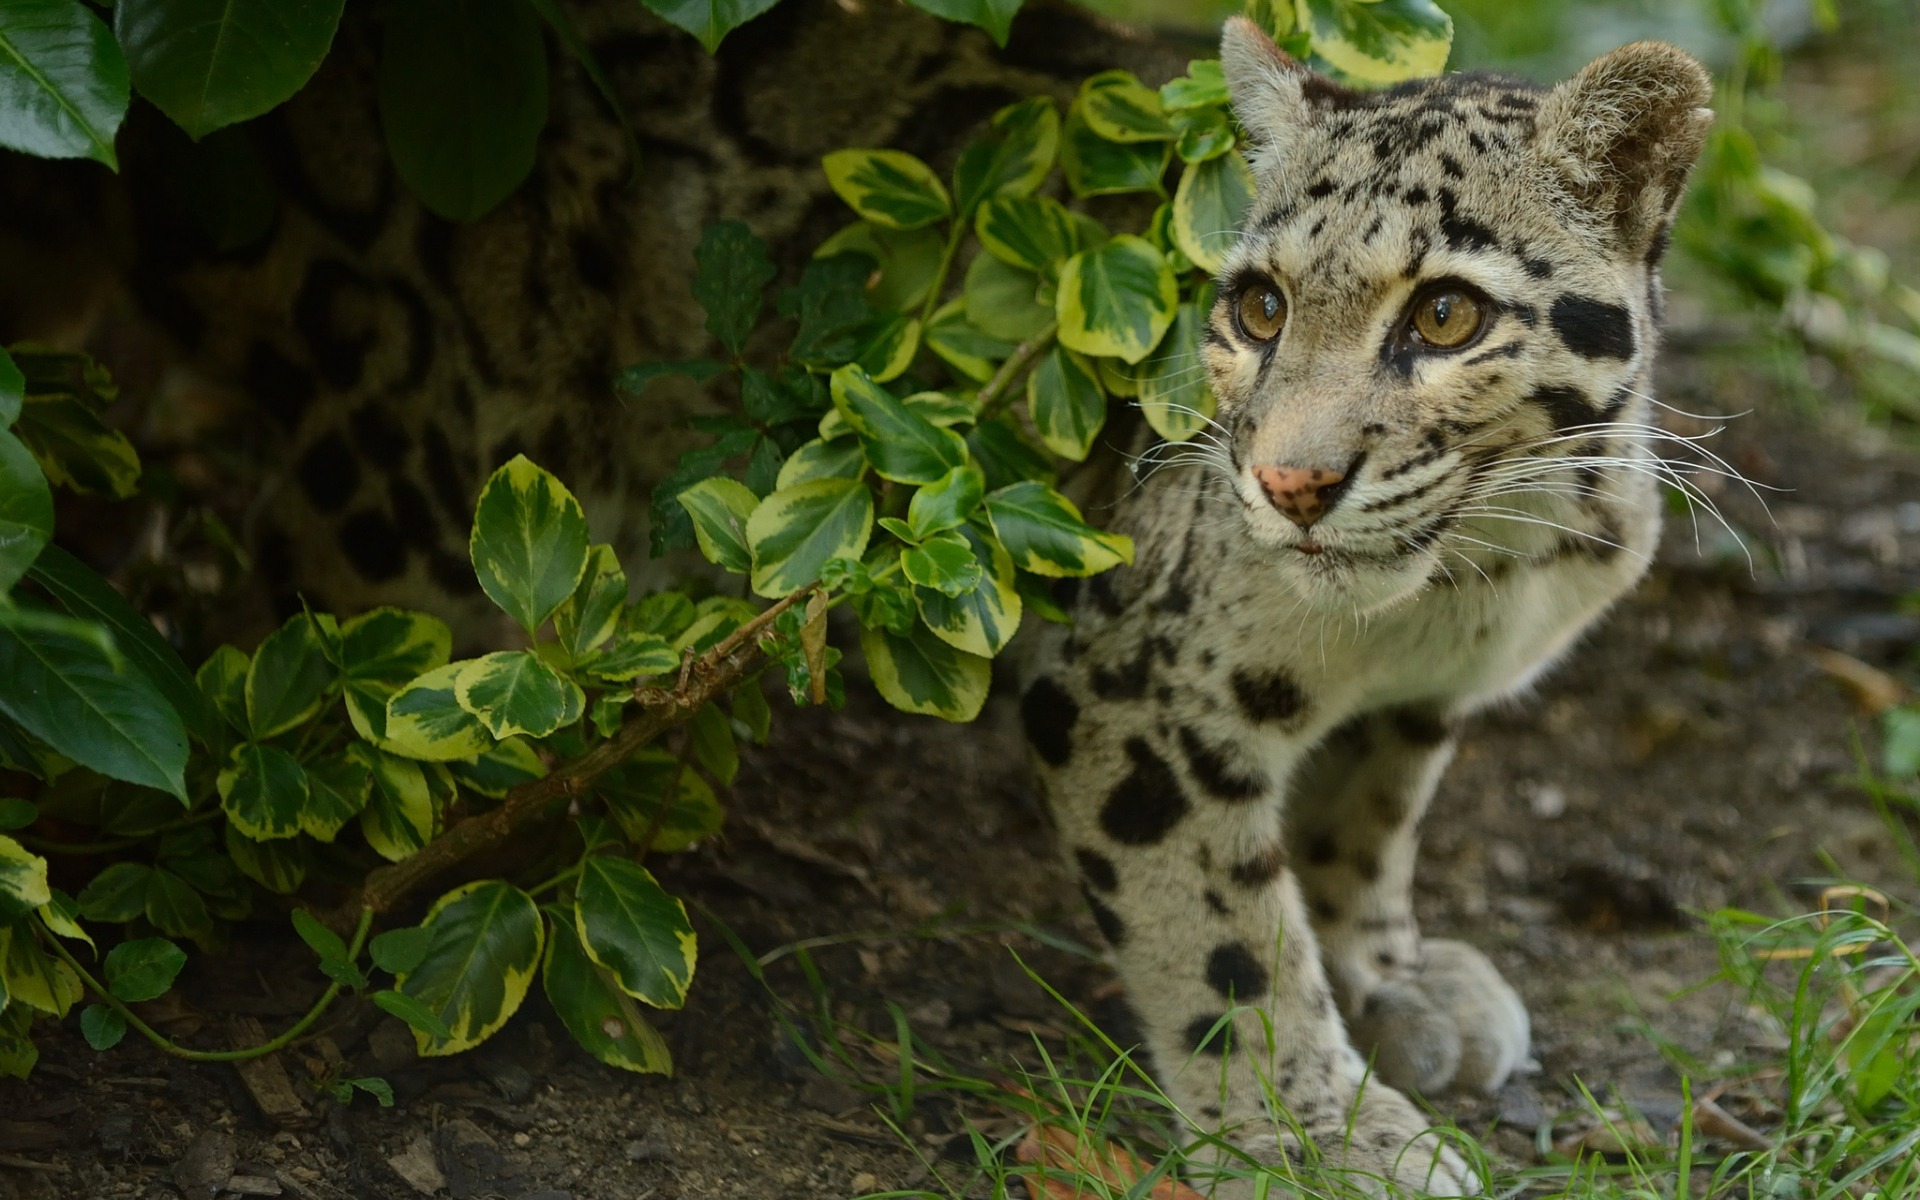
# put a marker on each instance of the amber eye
(1262, 312)
(1448, 317)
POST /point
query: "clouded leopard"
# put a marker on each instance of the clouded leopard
(1432, 350)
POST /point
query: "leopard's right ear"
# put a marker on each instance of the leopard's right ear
(1274, 94)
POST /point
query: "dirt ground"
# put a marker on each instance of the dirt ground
(1691, 754)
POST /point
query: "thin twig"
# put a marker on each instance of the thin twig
(998, 392)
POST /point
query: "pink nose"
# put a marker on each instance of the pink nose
(1299, 492)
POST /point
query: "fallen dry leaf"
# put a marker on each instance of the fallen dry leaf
(1059, 1153)
(1873, 690)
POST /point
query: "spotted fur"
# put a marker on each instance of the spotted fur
(1243, 814)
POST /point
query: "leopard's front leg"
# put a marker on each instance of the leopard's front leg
(1176, 829)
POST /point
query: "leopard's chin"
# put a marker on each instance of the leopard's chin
(1328, 576)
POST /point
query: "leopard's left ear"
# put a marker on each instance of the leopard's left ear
(1274, 95)
(1622, 135)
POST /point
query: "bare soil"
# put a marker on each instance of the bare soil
(1691, 753)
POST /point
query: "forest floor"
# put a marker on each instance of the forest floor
(1692, 753)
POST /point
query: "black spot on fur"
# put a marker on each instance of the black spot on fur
(1566, 407)
(1097, 869)
(1126, 680)
(1657, 250)
(412, 516)
(1450, 166)
(1420, 726)
(1146, 805)
(1368, 867)
(1539, 268)
(1263, 868)
(277, 384)
(1272, 696)
(373, 546)
(1111, 926)
(1105, 594)
(1235, 973)
(1214, 769)
(593, 262)
(1198, 1031)
(1593, 328)
(1048, 714)
(329, 473)
(1217, 903)
(1321, 849)
(379, 440)
(1418, 195)
(1320, 188)
(337, 353)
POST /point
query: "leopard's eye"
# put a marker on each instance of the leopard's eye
(1448, 317)
(1262, 312)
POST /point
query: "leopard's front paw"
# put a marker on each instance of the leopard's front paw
(1454, 1023)
(1382, 1139)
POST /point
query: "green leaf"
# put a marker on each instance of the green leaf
(709, 20)
(833, 310)
(143, 969)
(982, 619)
(290, 676)
(380, 652)
(1900, 742)
(591, 614)
(103, 1027)
(796, 530)
(63, 81)
(175, 906)
(33, 977)
(908, 261)
(116, 894)
(945, 563)
(901, 444)
(966, 348)
(947, 502)
(887, 187)
(23, 881)
(710, 733)
(1208, 207)
(26, 511)
(1174, 395)
(1066, 403)
(463, 96)
(319, 939)
(484, 945)
(1118, 107)
(1001, 300)
(211, 63)
(1118, 299)
(1012, 158)
(1095, 166)
(603, 1019)
(731, 280)
(889, 348)
(83, 593)
(18, 1054)
(398, 951)
(1044, 534)
(264, 792)
(720, 507)
(1379, 41)
(76, 448)
(504, 767)
(1203, 86)
(278, 866)
(398, 819)
(514, 693)
(17, 813)
(994, 16)
(13, 389)
(633, 380)
(65, 691)
(222, 679)
(1204, 133)
(636, 790)
(920, 673)
(425, 720)
(750, 710)
(634, 929)
(424, 1021)
(1036, 234)
(820, 459)
(1005, 456)
(529, 542)
(632, 655)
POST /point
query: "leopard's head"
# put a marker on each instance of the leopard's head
(1434, 334)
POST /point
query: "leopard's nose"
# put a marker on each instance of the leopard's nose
(1302, 494)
